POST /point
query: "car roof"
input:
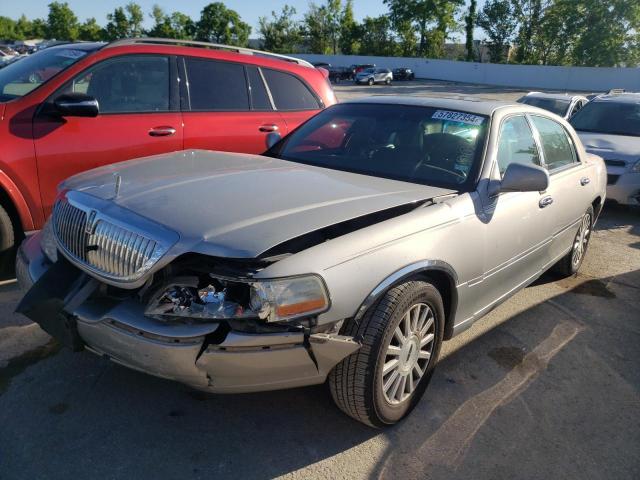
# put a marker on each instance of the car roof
(87, 46)
(554, 96)
(472, 105)
(622, 97)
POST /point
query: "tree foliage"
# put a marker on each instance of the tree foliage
(281, 33)
(376, 37)
(469, 25)
(62, 23)
(499, 23)
(220, 24)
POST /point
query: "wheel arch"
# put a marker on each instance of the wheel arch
(15, 204)
(439, 273)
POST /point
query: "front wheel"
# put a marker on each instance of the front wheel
(7, 245)
(570, 264)
(387, 81)
(370, 82)
(401, 338)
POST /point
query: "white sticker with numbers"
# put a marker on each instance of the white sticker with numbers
(458, 117)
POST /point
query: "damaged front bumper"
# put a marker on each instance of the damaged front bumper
(208, 356)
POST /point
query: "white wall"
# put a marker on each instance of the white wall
(589, 79)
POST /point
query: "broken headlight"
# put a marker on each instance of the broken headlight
(273, 300)
(288, 298)
(48, 242)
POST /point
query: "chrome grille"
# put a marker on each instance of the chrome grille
(107, 248)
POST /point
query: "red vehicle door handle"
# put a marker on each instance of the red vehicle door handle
(268, 127)
(162, 131)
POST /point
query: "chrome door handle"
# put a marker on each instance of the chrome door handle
(271, 127)
(545, 201)
(584, 181)
(162, 131)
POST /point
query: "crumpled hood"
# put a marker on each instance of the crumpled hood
(614, 147)
(239, 205)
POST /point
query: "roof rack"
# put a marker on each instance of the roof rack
(212, 46)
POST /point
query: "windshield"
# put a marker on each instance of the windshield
(557, 106)
(21, 77)
(409, 143)
(613, 118)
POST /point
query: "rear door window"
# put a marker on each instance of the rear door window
(556, 148)
(215, 85)
(289, 92)
(129, 84)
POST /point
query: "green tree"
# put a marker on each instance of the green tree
(377, 38)
(23, 27)
(117, 25)
(90, 31)
(135, 18)
(349, 31)
(220, 24)
(499, 23)
(469, 25)
(406, 39)
(432, 20)
(182, 25)
(62, 24)
(162, 27)
(316, 28)
(281, 33)
(529, 15)
(8, 29)
(39, 29)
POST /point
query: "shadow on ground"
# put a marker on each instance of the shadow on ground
(551, 392)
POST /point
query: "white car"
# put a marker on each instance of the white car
(5, 57)
(609, 126)
(562, 104)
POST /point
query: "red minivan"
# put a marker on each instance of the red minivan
(77, 106)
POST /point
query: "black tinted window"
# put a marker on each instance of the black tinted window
(127, 84)
(216, 85)
(259, 96)
(288, 92)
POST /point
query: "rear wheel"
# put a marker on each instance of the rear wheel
(7, 245)
(401, 337)
(570, 264)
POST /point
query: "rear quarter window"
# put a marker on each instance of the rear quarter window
(289, 92)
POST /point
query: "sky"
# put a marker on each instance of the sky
(249, 10)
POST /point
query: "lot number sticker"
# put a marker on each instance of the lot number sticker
(458, 117)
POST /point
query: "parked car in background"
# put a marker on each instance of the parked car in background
(403, 74)
(322, 65)
(374, 75)
(561, 104)
(6, 56)
(74, 107)
(609, 126)
(338, 74)
(349, 250)
(359, 67)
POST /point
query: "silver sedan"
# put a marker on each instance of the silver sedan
(374, 75)
(347, 253)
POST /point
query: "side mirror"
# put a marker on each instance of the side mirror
(272, 139)
(76, 105)
(522, 178)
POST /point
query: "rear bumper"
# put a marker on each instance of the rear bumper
(202, 355)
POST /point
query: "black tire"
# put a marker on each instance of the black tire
(370, 82)
(387, 81)
(7, 245)
(356, 383)
(569, 265)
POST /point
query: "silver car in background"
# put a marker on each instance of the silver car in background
(562, 104)
(347, 252)
(609, 126)
(374, 75)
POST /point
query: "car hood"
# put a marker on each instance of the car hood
(611, 147)
(238, 205)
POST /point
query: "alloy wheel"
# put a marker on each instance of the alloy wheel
(408, 353)
(581, 240)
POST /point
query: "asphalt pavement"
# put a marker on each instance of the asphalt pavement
(545, 386)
